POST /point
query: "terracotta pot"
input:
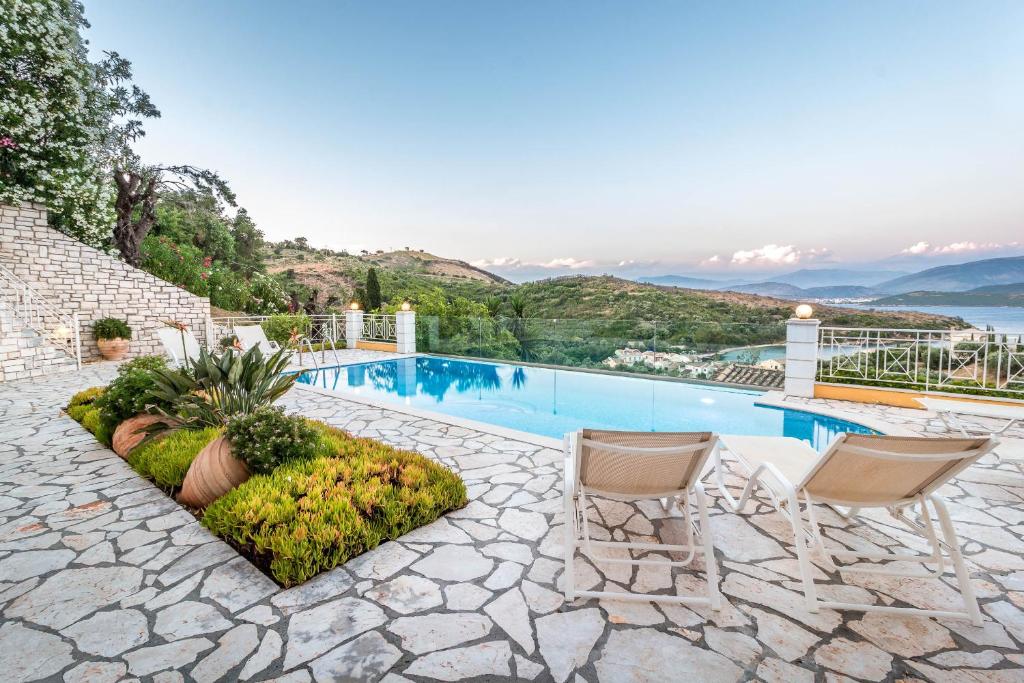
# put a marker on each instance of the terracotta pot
(214, 472)
(132, 431)
(113, 349)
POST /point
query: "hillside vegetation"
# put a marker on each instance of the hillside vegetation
(991, 295)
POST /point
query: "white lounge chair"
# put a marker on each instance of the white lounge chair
(632, 466)
(861, 471)
(950, 412)
(253, 335)
(179, 346)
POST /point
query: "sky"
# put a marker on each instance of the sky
(537, 139)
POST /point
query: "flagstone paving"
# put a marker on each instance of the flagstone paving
(103, 578)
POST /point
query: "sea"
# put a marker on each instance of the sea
(1001, 318)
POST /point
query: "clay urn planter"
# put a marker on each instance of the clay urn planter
(132, 431)
(214, 472)
(112, 349)
(112, 335)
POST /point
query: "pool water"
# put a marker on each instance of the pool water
(552, 402)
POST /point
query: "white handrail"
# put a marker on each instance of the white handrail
(35, 311)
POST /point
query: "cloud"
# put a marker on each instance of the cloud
(512, 263)
(926, 249)
(776, 255)
(918, 248)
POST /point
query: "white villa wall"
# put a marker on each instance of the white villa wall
(79, 278)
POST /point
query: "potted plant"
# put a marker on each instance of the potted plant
(112, 337)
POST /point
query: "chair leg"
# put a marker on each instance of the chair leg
(710, 562)
(963, 576)
(803, 552)
(569, 543)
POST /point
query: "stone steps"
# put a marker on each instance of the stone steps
(24, 353)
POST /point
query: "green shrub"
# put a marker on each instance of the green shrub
(308, 516)
(111, 328)
(279, 327)
(142, 363)
(267, 438)
(165, 460)
(86, 397)
(127, 396)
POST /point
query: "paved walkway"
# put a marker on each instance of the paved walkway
(103, 578)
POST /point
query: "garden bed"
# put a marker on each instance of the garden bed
(316, 497)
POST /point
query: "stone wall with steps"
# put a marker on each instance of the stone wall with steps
(78, 278)
(23, 353)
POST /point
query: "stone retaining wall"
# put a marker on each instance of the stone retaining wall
(95, 284)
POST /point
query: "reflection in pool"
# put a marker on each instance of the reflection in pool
(552, 402)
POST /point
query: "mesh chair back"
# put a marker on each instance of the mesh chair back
(642, 463)
(861, 469)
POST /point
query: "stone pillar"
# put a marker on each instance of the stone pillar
(405, 331)
(353, 328)
(801, 357)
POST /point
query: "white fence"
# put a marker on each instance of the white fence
(379, 328)
(321, 328)
(964, 361)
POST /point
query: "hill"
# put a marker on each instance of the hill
(959, 277)
(990, 295)
(783, 290)
(834, 277)
(688, 282)
(607, 297)
(338, 274)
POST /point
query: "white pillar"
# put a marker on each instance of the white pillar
(405, 331)
(353, 328)
(801, 357)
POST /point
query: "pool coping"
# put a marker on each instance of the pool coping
(772, 399)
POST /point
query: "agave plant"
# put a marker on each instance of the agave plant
(215, 387)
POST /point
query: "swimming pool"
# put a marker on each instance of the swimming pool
(552, 402)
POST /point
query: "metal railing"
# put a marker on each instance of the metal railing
(378, 327)
(328, 327)
(32, 309)
(954, 361)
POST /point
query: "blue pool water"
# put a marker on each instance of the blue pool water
(552, 402)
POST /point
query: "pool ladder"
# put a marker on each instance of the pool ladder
(323, 351)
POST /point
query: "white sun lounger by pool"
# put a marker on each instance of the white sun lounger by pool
(179, 346)
(861, 471)
(631, 466)
(253, 335)
(949, 411)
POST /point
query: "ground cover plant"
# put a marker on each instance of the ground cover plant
(317, 496)
(310, 515)
(165, 460)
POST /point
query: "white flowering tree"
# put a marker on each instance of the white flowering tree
(54, 118)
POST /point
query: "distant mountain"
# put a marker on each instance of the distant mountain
(779, 289)
(787, 291)
(832, 277)
(991, 295)
(687, 281)
(840, 292)
(960, 277)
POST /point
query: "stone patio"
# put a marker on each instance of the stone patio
(103, 578)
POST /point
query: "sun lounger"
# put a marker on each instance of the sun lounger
(861, 471)
(950, 412)
(179, 346)
(253, 335)
(634, 466)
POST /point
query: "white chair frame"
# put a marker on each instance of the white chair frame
(809, 538)
(577, 527)
(266, 346)
(178, 349)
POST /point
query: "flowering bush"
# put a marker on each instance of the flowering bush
(267, 438)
